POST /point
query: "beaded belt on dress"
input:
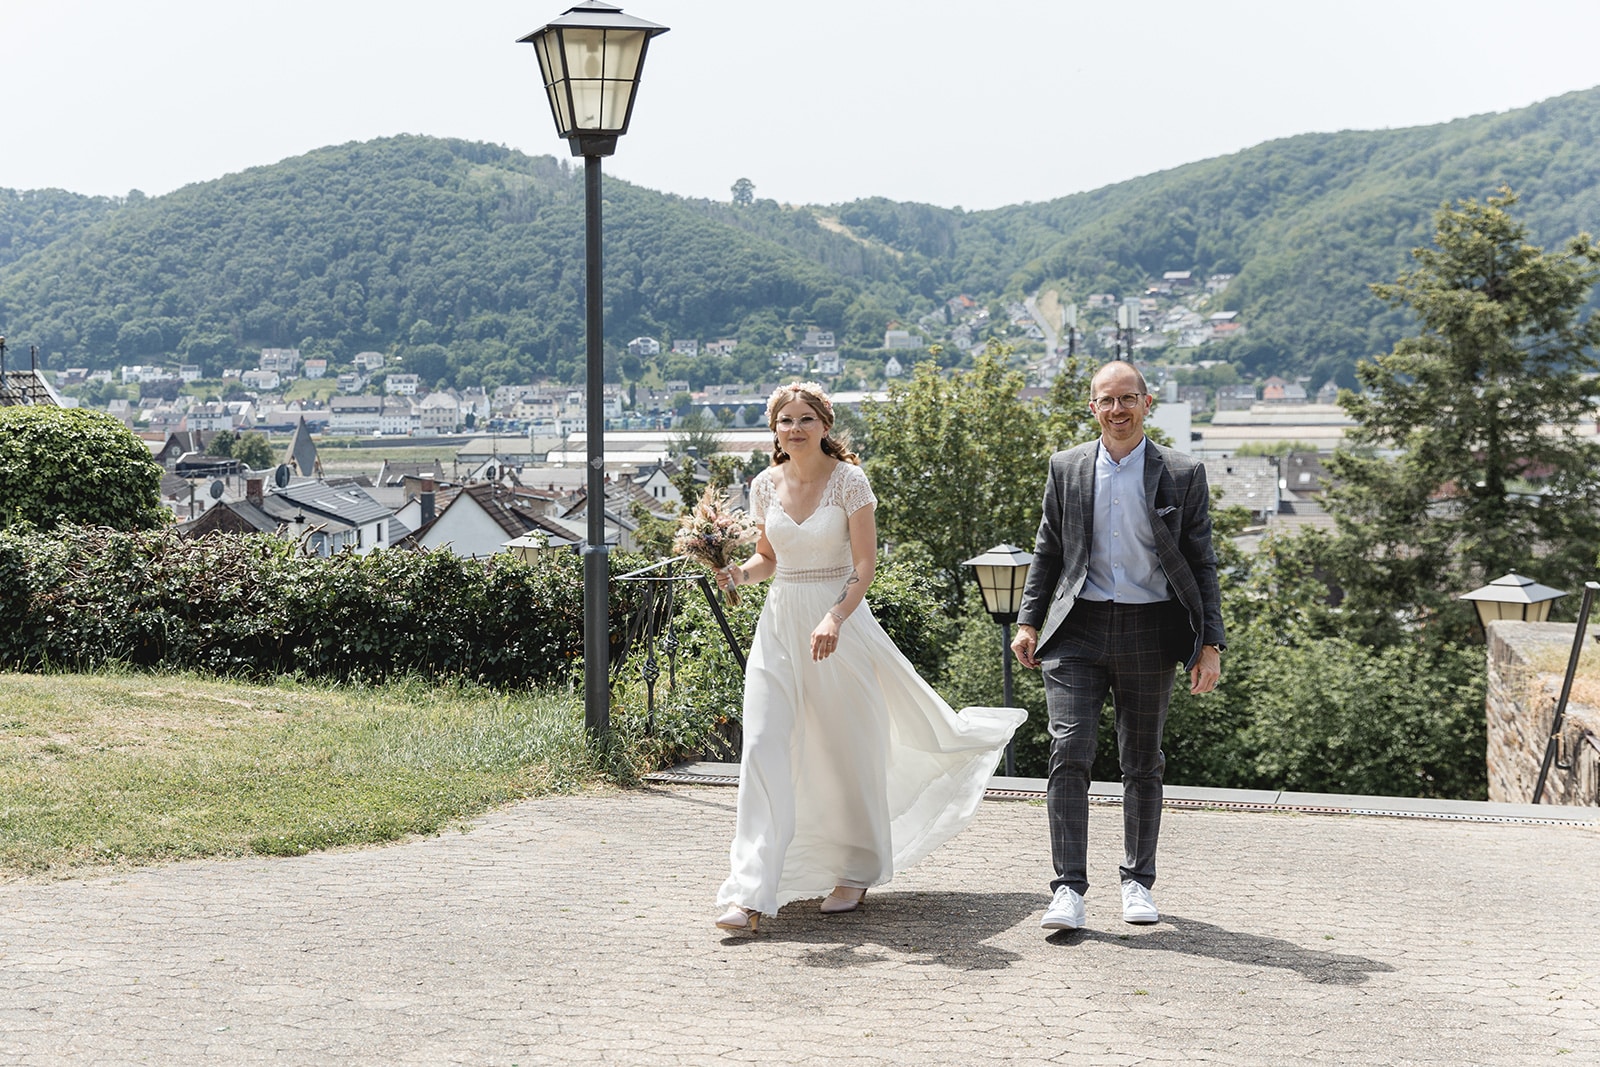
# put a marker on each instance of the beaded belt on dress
(814, 574)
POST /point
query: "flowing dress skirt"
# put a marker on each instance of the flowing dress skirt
(854, 767)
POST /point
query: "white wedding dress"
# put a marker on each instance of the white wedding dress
(853, 767)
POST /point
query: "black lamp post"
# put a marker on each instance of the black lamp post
(1513, 597)
(1002, 573)
(591, 58)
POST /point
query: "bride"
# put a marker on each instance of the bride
(853, 766)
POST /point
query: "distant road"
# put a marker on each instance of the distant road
(1049, 331)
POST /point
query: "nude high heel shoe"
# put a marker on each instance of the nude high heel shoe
(843, 898)
(740, 920)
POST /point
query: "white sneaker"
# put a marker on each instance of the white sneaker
(1065, 911)
(1138, 906)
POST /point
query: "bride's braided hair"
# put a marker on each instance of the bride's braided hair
(817, 399)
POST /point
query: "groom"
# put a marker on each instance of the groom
(1123, 587)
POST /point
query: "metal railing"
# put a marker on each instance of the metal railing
(1553, 745)
(653, 631)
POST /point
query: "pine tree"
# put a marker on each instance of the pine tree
(1484, 406)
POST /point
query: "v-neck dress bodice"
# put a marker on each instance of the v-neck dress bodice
(853, 767)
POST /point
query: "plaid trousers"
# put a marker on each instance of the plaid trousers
(1118, 649)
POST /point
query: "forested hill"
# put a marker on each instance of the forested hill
(466, 260)
(469, 254)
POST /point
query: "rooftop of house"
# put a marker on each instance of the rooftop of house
(24, 387)
(347, 503)
(1244, 481)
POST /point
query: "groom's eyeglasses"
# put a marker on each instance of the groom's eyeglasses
(805, 422)
(1127, 400)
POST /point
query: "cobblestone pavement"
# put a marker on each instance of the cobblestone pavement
(576, 930)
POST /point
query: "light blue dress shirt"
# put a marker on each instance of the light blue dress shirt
(1122, 559)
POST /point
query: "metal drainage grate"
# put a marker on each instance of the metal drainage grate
(682, 778)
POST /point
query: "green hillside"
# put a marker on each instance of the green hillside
(465, 260)
(38, 218)
(466, 257)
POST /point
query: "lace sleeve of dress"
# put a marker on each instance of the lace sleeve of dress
(855, 491)
(760, 498)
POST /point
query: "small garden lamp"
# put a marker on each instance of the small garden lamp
(1002, 573)
(1513, 597)
(528, 547)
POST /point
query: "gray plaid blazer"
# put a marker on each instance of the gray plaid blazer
(1180, 517)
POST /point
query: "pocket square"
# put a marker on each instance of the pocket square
(1162, 513)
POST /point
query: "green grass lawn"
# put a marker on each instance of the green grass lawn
(311, 389)
(113, 769)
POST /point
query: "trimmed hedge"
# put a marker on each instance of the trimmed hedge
(252, 606)
(80, 597)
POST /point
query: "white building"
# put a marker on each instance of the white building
(481, 518)
(286, 361)
(212, 417)
(399, 416)
(354, 414)
(476, 402)
(644, 346)
(817, 341)
(264, 380)
(141, 374)
(401, 384)
(438, 413)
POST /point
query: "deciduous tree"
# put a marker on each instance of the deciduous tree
(958, 459)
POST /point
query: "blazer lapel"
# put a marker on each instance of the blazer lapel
(1076, 535)
(1083, 478)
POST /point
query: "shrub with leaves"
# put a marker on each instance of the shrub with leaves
(74, 465)
(253, 606)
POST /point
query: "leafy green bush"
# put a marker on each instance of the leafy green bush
(253, 606)
(73, 465)
(1334, 716)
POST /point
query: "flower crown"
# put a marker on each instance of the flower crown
(813, 389)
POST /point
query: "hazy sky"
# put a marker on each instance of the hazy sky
(816, 101)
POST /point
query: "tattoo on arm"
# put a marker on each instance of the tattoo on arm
(852, 580)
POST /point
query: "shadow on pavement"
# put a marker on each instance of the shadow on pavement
(936, 929)
(1195, 938)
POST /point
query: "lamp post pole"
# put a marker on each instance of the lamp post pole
(596, 620)
(1589, 591)
(1005, 690)
(591, 58)
(1002, 575)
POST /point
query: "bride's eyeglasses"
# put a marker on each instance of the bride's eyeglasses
(805, 422)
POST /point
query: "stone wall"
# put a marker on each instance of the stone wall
(1527, 664)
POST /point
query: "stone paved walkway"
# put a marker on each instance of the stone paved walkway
(577, 930)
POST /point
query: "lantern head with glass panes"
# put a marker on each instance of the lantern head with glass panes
(1513, 597)
(591, 58)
